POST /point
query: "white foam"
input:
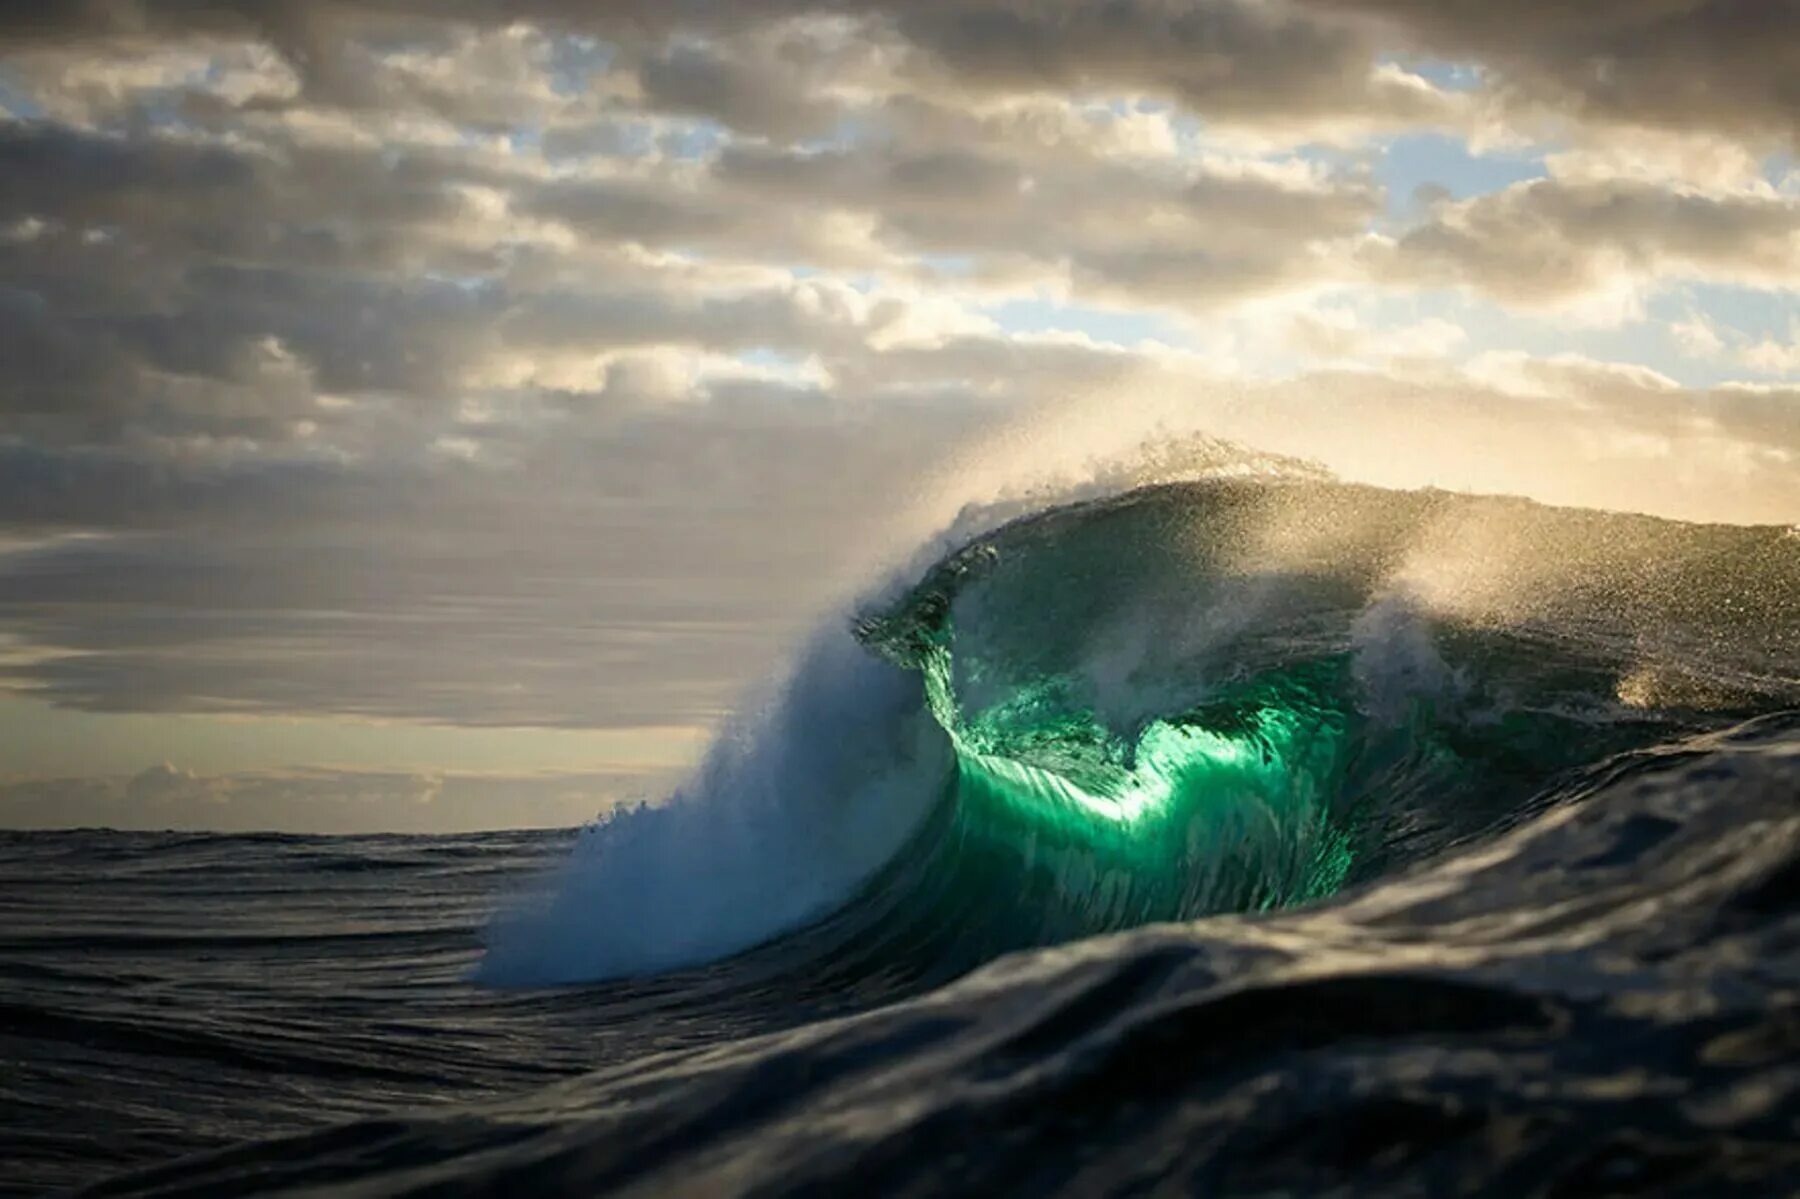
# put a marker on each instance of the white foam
(797, 803)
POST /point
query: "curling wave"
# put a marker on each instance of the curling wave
(1217, 695)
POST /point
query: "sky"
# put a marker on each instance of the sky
(435, 414)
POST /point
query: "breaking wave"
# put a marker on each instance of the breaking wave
(1214, 695)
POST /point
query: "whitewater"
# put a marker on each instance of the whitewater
(1226, 828)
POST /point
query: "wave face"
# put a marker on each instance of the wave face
(1193, 698)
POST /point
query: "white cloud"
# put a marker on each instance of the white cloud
(1697, 336)
(1771, 356)
(1337, 334)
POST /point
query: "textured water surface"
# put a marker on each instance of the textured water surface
(1259, 837)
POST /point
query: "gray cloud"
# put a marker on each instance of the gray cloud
(772, 93)
(1693, 64)
(1232, 58)
(1709, 65)
(1274, 64)
(549, 363)
(1552, 239)
(1116, 232)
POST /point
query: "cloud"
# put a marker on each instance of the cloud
(1767, 354)
(1339, 334)
(1551, 243)
(772, 86)
(1255, 64)
(1774, 356)
(1258, 63)
(1697, 336)
(553, 364)
(1724, 65)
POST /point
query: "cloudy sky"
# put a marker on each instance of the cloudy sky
(433, 413)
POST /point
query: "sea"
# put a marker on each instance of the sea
(1217, 836)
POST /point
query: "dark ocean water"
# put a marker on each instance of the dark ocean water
(165, 994)
(1225, 838)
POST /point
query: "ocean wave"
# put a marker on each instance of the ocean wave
(1225, 694)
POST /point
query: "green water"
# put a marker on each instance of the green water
(1225, 807)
